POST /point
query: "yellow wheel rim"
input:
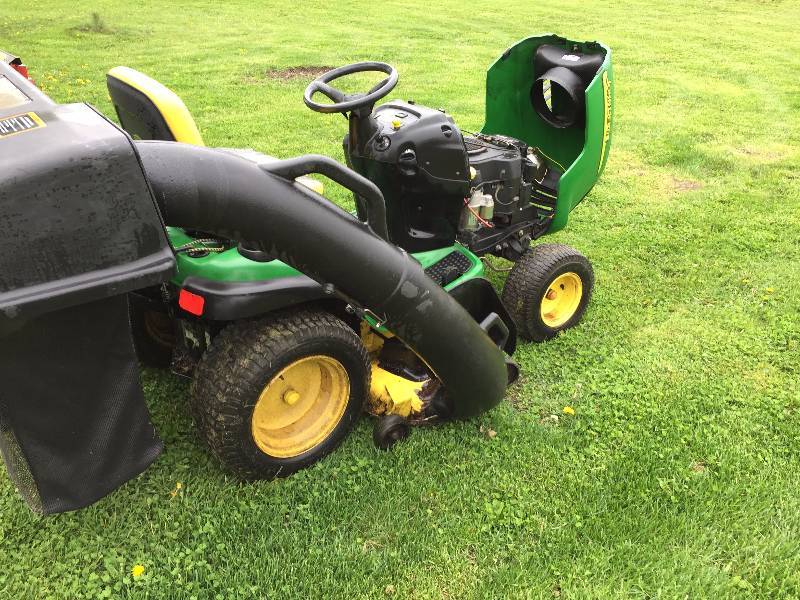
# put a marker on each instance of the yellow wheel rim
(300, 406)
(561, 300)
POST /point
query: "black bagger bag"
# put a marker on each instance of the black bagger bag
(80, 229)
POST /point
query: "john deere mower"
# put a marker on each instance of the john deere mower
(291, 315)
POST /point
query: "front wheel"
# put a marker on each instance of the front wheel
(278, 394)
(548, 290)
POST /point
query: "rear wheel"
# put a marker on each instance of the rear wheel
(153, 331)
(275, 395)
(548, 290)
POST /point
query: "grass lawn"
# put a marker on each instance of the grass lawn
(678, 475)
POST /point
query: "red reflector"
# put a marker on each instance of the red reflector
(191, 303)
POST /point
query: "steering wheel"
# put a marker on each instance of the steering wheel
(346, 102)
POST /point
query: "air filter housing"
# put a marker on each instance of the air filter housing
(561, 79)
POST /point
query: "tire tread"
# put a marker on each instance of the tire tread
(226, 383)
(529, 275)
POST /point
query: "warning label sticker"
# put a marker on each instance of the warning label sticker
(19, 124)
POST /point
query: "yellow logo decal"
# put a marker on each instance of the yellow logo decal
(606, 119)
(19, 124)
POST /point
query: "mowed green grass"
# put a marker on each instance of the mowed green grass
(678, 475)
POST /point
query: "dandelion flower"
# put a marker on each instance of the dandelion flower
(568, 410)
(176, 491)
(137, 570)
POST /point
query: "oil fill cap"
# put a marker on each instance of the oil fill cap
(397, 124)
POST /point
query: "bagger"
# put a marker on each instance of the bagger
(290, 314)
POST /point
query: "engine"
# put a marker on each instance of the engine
(505, 201)
(492, 193)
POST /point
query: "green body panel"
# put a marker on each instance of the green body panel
(581, 152)
(232, 267)
(227, 266)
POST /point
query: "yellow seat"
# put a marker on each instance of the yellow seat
(148, 110)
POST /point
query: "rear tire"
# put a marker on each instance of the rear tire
(548, 290)
(275, 395)
(153, 331)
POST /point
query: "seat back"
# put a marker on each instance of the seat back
(148, 110)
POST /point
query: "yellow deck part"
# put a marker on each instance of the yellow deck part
(391, 394)
(371, 340)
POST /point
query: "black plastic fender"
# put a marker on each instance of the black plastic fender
(229, 301)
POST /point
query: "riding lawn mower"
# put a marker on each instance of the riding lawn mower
(290, 315)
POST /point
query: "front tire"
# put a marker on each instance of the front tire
(548, 290)
(276, 395)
